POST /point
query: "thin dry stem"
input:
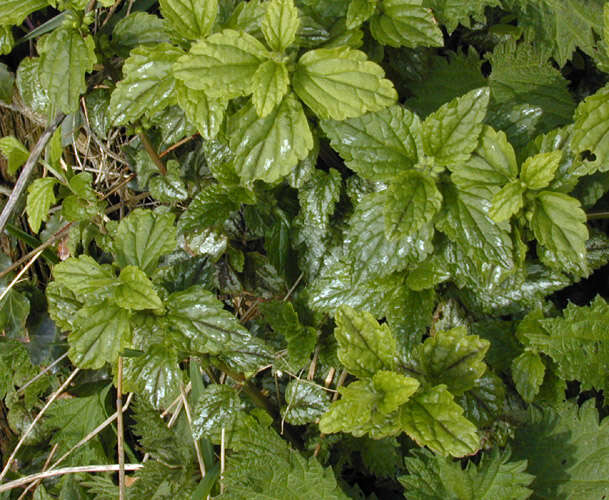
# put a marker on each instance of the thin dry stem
(25, 268)
(194, 440)
(41, 373)
(222, 460)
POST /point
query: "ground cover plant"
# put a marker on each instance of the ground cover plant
(290, 249)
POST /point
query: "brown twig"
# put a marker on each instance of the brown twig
(178, 144)
(154, 156)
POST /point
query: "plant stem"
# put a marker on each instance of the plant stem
(598, 215)
(154, 156)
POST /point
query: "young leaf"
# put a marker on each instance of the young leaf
(395, 388)
(507, 201)
(378, 146)
(559, 223)
(305, 402)
(193, 19)
(83, 277)
(591, 128)
(405, 23)
(40, 198)
(538, 171)
(148, 85)
(143, 237)
(341, 83)
(433, 419)
(451, 133)
(222, 65)
(528, 371)
(364, 346)
(13, 12)
(15, 153)
(280, 24)
(205, 113)
(270, 84)
(269, 148)
(412, 201)
(135, 291)
(101, 332)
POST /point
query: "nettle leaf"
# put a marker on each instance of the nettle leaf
(433, 419)
(395, 388)
(412, 201)
(405, 23)
(451, 133)
(143, 237)
(139, 28)
(101, 332)
(452, 358)
(591, 128)
(270, 84)
(205, 113)
(484, 403)
(222, 65)
(528, 372)
(148, 85)
(33, 93)
(280, 24)
(451, 13)
(507, 201)
(135, 290)
(170, 187)
(559, 223)
(65, 57)
(13, 12)
(377, 146)
(269, 148)
(494, 478)
(62, 305)
(364, 346)
(305, 402)
(538, 171)
(341, 83)
(193, 19)
(40, 198)
(16, 154)
(359, 12)
(84, 277)
(567, 450)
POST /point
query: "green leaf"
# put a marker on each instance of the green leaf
(559, 223)
(63, 305)
(507, 201)
(528, 371)
(538, 171)
(31, 90)
(83, 277)
(591, 128)
(168, 188)
(269, 148)
(143, 237)
(364, 346)
(222, 65)
(13, 12)
(205, 113)
(433, 419)
(305, 402)
(395, 388)
(139, 28)
(494, 478)
(451, 13)
(359, 12)
(567, 450)
(148, 85)
(270, 83)
(377, 146)
(192, 19)
(14, 311)
(101, 332)
(451, 133)
(412, 202)
(405, 23)
(65, 57)
(341, 83)
(280, 24)
(16, 154)
(135, 290)
(40, 198)
(452, 358)
(7, 80)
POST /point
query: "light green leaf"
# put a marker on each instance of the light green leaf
(359, 12)
(7, 42)
(528, 371)
(280, 24)
(135, 290)
(65, 57)
(40, 198)
(192, 19)
(591, 128)
(83, 277)
(305, 402)
(7, 79)
(269, 148)
(270, 84)
(148, 85)
(395, 388)
(433, 419)
(538, 171)
(222, 65)
(378, 146)
(451, 133)
(143, 237)
(31, 90)
(412, 201)
(13, 12)
(452, 358)
(559, 223)
(16, 154)
(168, 188)
(101, 332)
(507, 201)
(205, 113)
(406, 23)
(341, 83)
(364, 346)
(63, 305)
